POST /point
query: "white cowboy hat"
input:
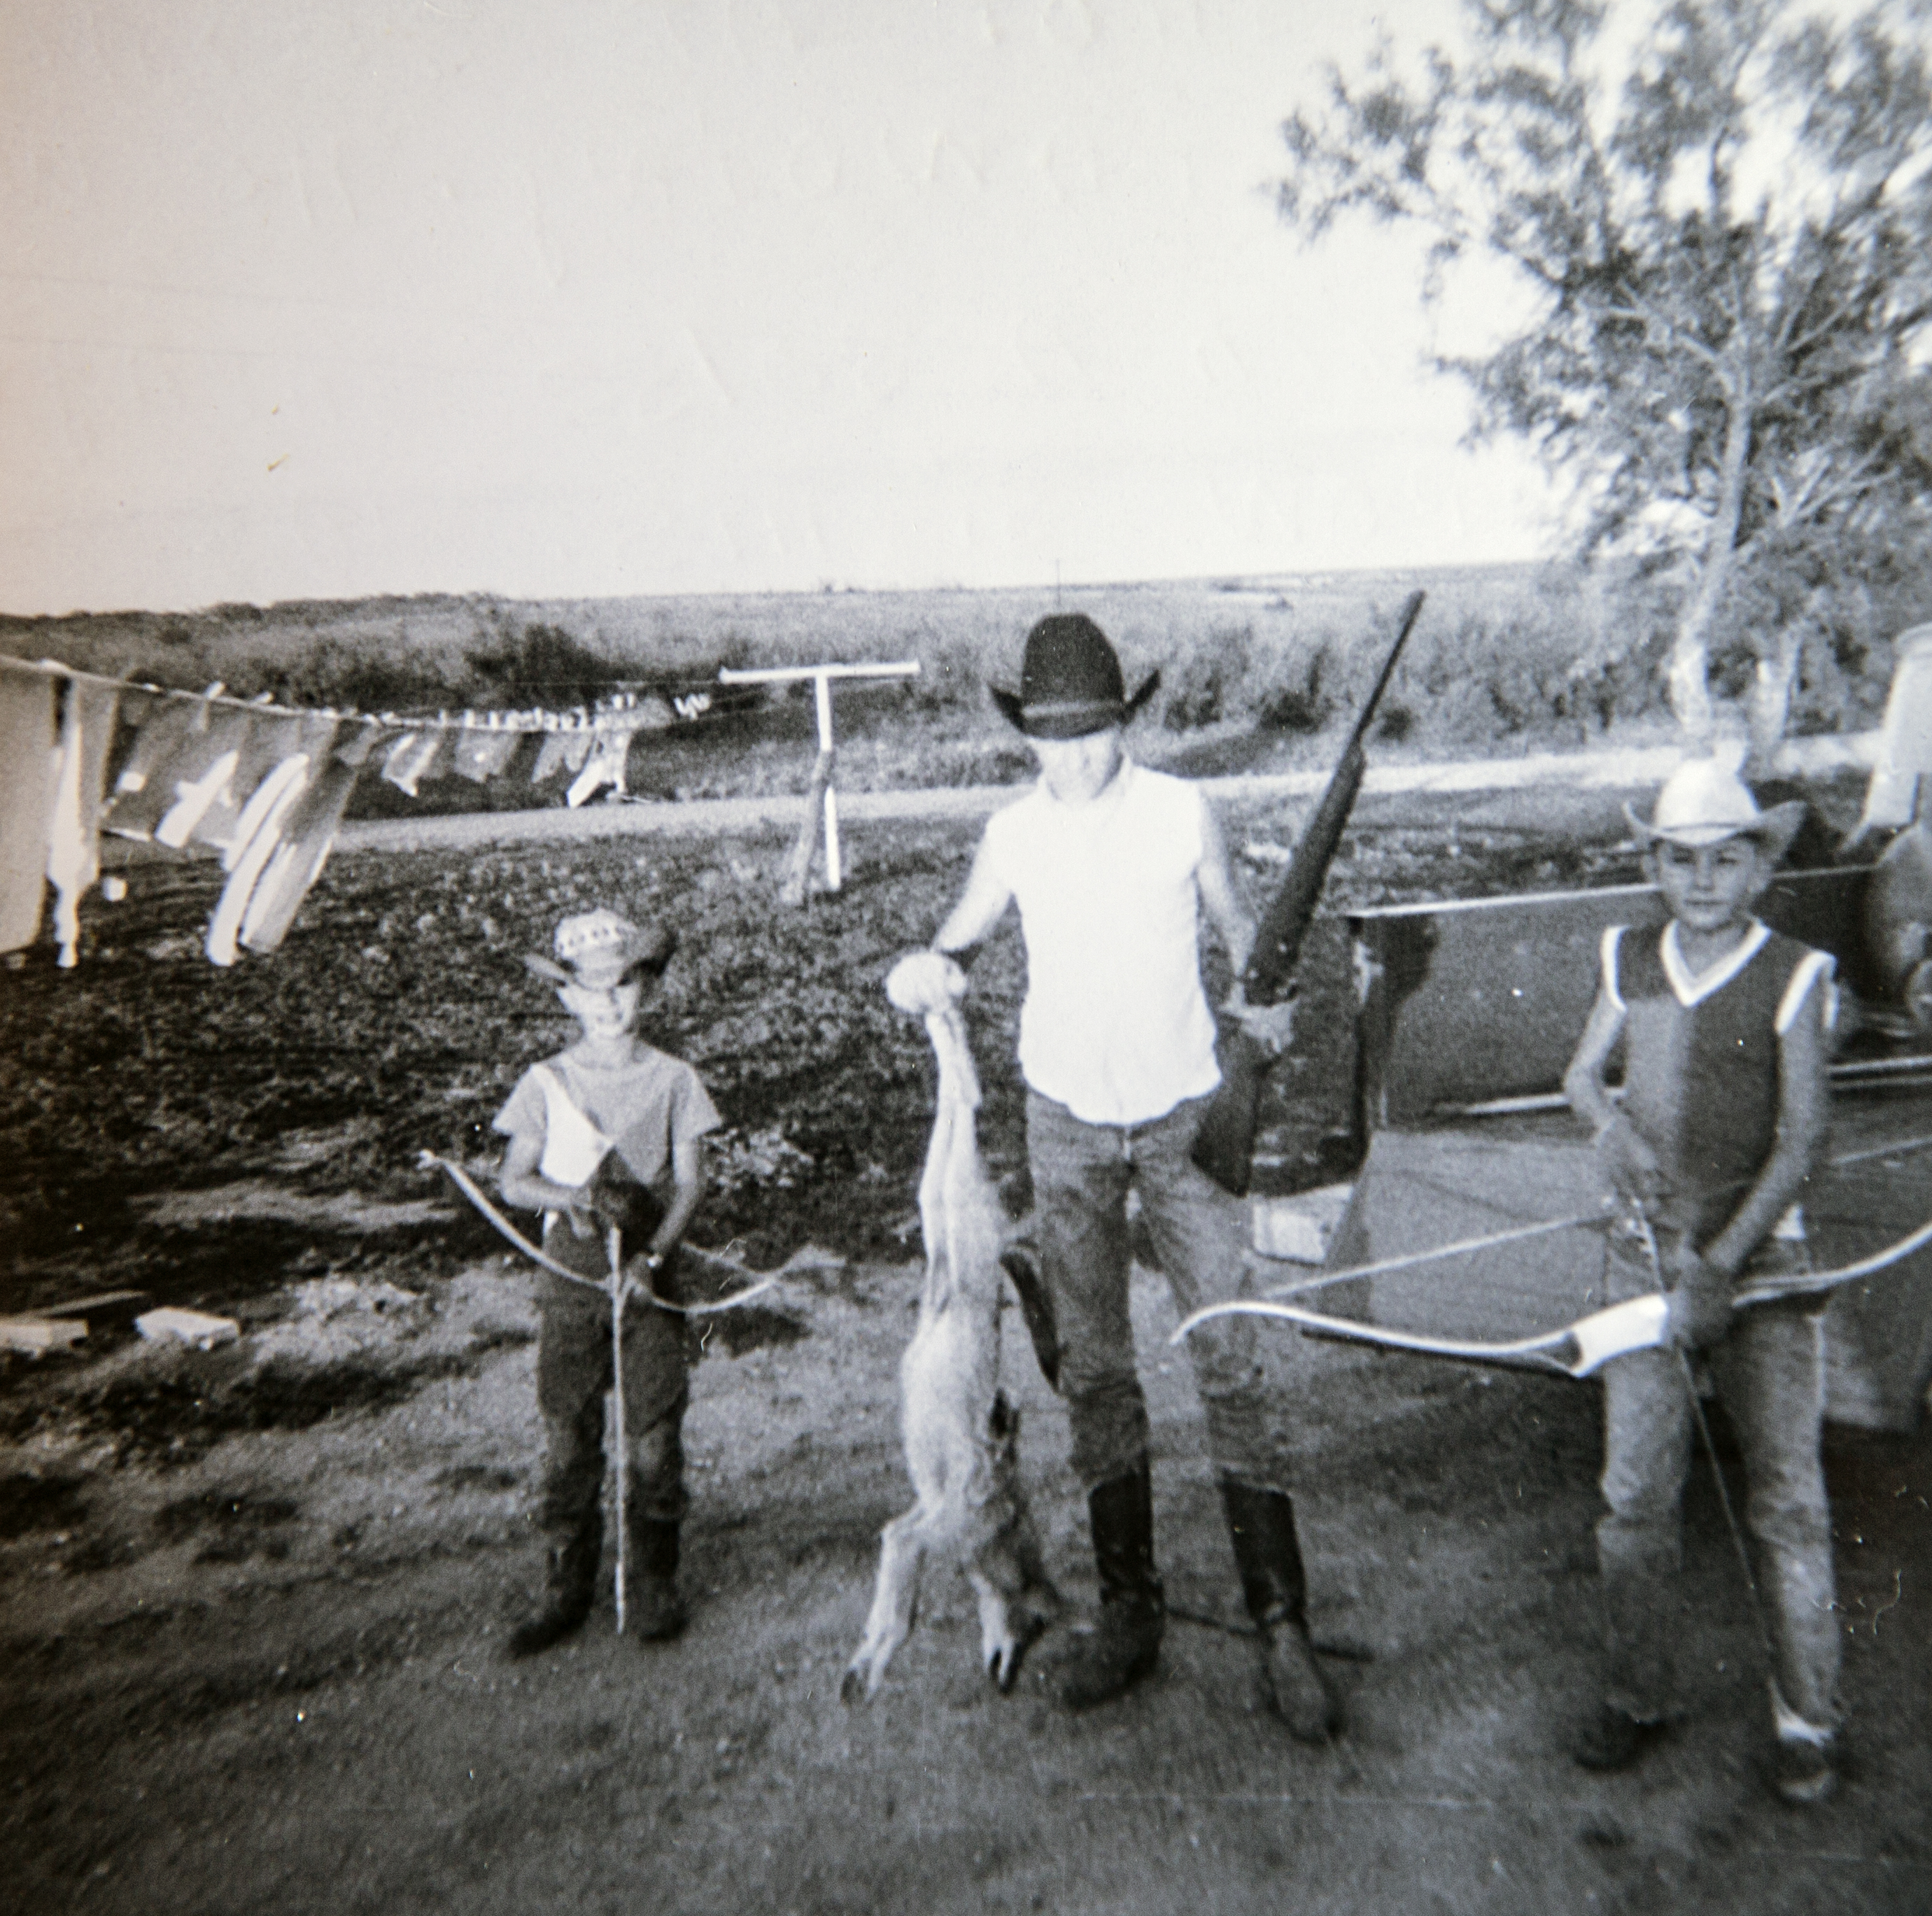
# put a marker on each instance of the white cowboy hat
(1703, 803)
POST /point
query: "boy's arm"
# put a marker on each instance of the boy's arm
(932, 977)
(1233, 924)
(980, 906)
(1628, 1161)
(522, 1186)
(687, 1171)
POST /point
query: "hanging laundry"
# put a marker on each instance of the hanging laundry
(88, 717)
(170, 725)
(26, 802)
(307, 835)
(263, 739)
(201, 774)
(550, 755)
(410, 759)
(482, 750)
(256, 834)
(266, 786)
(577, 744)
(607, 759)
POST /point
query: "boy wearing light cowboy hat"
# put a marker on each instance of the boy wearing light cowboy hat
(608, 1133)
(1110, 864)
(1724, 1027)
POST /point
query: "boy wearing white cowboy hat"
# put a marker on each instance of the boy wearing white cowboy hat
(608, 1131)
(1724, 1027)
(1110, 865)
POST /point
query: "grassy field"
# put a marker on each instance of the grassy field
(1254, 671)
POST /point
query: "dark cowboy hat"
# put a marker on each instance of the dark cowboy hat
(1070, 682)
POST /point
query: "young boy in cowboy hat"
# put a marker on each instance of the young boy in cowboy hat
(1110, 864)
(608, 1133)
(1724, 1027)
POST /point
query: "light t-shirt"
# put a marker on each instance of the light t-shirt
(1115, 1025)
(642, 1109)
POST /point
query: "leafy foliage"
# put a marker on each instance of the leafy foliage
(1729, 285)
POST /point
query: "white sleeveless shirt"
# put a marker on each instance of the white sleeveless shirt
(1115, 1025)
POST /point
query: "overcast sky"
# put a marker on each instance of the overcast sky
(351, 296)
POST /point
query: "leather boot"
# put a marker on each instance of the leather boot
(570, 1583)
(1124, 1647)
(1268, 1553)
(654, 1612)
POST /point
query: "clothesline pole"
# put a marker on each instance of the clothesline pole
(821, 800)
(821, 688)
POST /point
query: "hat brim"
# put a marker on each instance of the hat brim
(1774, 829)
(647, 952)
(1073, 718)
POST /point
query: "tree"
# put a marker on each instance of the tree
(1729, 274)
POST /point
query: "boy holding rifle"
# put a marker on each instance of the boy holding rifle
(1110, 863)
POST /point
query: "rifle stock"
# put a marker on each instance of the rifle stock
(1224, 1146)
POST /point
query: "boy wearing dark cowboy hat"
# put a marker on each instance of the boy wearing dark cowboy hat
(1110, 864)
(1724, 1028)
(608, 1133)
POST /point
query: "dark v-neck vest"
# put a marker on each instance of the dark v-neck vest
(1701, 1077)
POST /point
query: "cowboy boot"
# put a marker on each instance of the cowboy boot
(570, 1583)
(655, 1611)
(1267, 1551)
(1124, 1647)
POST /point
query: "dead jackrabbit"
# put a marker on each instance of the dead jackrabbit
(961, 1435)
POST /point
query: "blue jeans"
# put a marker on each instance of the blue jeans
(1769, 1370)
(1081, 1174)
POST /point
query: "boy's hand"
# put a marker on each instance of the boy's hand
(1270, 1026)
(1630, 1162)
(1700, 1302)
(925, 982)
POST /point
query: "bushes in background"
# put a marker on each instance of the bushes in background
(1503, 657)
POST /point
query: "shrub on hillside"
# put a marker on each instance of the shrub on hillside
(1295, 698)
(540, 664)
(1209, 681)
(341, 673)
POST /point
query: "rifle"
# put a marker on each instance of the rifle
(1224, 1146)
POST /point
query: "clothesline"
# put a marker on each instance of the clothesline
(263, 784)
(609, 713)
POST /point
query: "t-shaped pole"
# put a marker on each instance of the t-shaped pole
(821, 800)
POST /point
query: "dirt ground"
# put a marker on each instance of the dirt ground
(252, 1600)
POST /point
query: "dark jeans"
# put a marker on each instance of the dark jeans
(574, 1370)
(1081, 1174)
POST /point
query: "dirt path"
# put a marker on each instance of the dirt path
(1570, 775)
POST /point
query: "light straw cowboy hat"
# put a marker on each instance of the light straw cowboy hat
(1704, 803)
(598, 948)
